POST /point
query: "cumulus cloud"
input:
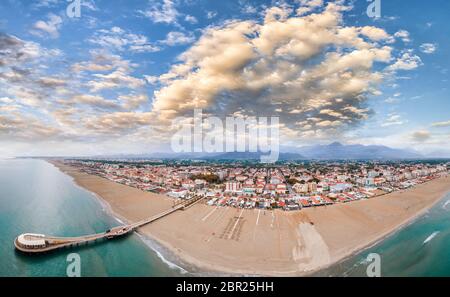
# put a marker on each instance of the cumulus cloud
(393, 120)
(94, 101)
(49, 28)
(35, 105)
(307, 67)
(211, 14)
(102, 61)
(119, 39)
(408, 61)
(15, 126)
(191, 19)
(428, 48)
(403, 35)
(16, 51)
(178, 38)
(312, 71)
(119, 122)
(114, 80)
(308, 5)
(164, 12)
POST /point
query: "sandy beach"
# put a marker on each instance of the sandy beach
(262, 242)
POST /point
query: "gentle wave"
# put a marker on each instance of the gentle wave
(171, 265)
(107, 208)
(445, 205)
(429, 238)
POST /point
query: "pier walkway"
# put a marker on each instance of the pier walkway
(38, 243)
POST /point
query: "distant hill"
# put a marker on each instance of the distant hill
(253, 156)
(333, 151)
(339, 151)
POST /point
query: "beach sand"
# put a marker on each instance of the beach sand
(263, 242)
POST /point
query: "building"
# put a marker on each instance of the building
(281, 189)
(179, 193)
(233, 186)
(31, 241)
(300, 188)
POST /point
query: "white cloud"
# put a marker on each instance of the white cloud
(408, 61)
(114, 80)
(118, 39)
(272, 63)
(308, 6)
(441, 124)
(211, 14)
(191, 19)
(249, 9)
(49, 28)
(45, 3)
(403, 35)
(178, 38)
(164, 12)
(392, 120)
(428, 48)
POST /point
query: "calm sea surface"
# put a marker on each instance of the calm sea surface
(36, 197)
(420, 249)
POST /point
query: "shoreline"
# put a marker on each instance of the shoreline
(161, 251)
(395, 230)
(177, 255)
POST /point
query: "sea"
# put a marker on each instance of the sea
(35, 197)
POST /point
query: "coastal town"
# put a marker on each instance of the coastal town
(289, 187)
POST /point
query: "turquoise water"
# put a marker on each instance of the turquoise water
(420, 249)
(35, 197)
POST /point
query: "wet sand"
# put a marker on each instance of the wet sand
(262, 242)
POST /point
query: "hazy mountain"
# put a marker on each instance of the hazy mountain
(337, 150)
(333, 151)
(441, 154)
(253, 156)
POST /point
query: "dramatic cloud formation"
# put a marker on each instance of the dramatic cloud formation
(72, 105)
(312, 71)
(121, 79)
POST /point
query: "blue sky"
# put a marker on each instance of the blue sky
(112, 80)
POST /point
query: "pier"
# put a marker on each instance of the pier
(39, 243)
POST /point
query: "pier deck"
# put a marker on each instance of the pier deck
(28, 243)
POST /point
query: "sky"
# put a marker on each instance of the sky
(114, 79)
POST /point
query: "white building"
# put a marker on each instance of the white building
(233, 186)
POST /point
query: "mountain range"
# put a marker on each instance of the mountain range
(339, 151)
(333, 151)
